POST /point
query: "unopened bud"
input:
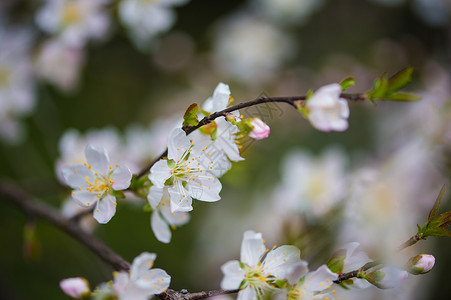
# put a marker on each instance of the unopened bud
(420, 264)
(387, 277)
(259, 129)
(76, 287)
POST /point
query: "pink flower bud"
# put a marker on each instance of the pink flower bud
(260, 130)
(420, 264)
(75, 287)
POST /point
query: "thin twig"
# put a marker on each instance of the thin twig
(46, 212)
(208, 119)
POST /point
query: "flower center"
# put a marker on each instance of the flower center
(71, 13)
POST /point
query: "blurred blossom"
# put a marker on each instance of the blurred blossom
(59, 64)
(74, 21)
(145, 19)
(388, 198)
(312, 185)
(433, 12)
(249, 49)
(288, 11)
(72, 147)
(76, 287)
(16, 81)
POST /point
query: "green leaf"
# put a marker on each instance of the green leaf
(190, 117)
(437, 232)
(336, 262)
(404, 97)
(346, 83)
(436, 206)
(400, 80)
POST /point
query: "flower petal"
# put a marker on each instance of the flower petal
(105, 209)
(160, 172)
(121, 177)
(154, 196)
(205, 189)
(176, 218)
(252, 248)
(178, 143)
(98, 158)
(247, 294)
(320, 279)
(180, 198)
(233, 275)
(220, 99)
(278, 261)
(85, 198)
(160, 228)
(75, 176)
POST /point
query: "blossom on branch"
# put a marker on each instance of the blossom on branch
(326, 110)
(256, 273)
(186, 172)
(142, 281)
(163, 220)
(96, 181)
(76, 287)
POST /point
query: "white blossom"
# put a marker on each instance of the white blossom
(59, 63)
(145, 19)
(162, 219)
(187, 173)
(326, 110)
(255, 271)
(142, 281)
(74, 21)
(94, 182)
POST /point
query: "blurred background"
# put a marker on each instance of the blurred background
(120, 73)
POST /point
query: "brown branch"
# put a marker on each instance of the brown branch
(355, 273)
(46, 212)
(412, 241)
(208, 119)
(184, 295)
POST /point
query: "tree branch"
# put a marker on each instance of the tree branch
(46, 212)
(208, 119)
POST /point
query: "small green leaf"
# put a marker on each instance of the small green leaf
(190, 117)
(336, 262)
(436, 206)
(404, 97)
(400, 80)
(437, 232)
(346, 83)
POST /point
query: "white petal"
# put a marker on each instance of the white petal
(98, 158)
(85, 198)
(392, 277)
(319, 120)
(252, 248)
(278, 261)
(141, 264)
(247, 294)
(154, 196)
(160, 228)
(159, 173)
(155, 281)
(320, 279)
(344, 108)
(339, 124)
(121, 177)
(233, 275)
(180, 199)
(178, 143)
(220, 99)
(176, 218)
(105, 209)
(296, 272)
(205, 189)
(75, 176)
